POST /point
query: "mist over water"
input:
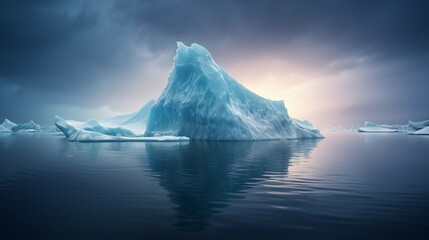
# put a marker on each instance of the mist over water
(346, 185)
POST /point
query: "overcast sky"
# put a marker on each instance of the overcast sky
(333, 62)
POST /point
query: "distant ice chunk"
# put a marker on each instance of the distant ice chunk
(27, 127)
(7, 124)
(410, 128)
(417, 125)
(373, 127)
(69, 128)
(377, 130)
(4, 130)
(423, 131)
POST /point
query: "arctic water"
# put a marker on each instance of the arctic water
(348, 185)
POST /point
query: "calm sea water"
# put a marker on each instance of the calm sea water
(351, 186)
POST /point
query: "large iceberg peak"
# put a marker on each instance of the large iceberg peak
(193, 55)
(194, 66)
(202, 101)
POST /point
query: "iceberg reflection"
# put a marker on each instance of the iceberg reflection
(202, 177)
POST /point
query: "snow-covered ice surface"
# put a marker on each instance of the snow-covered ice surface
(203, 102)
(409, 128)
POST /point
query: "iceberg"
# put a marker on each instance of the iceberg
(423, 131)
(127, 127)
(27, 127)
(202, 101)
(71, 127)
(409, 128)
(130, 125)
(417, 125)
(8, 127)
(4, 130)
(93, 131)
(7, 124)
(381, 128)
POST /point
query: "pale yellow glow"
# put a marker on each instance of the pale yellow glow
(307, 94)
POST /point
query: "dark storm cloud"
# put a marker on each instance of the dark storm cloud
(56, 45)
(38, 34)
(76, 53)
(389, 27)
(66, 50)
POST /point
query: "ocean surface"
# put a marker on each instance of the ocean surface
(348, 186)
